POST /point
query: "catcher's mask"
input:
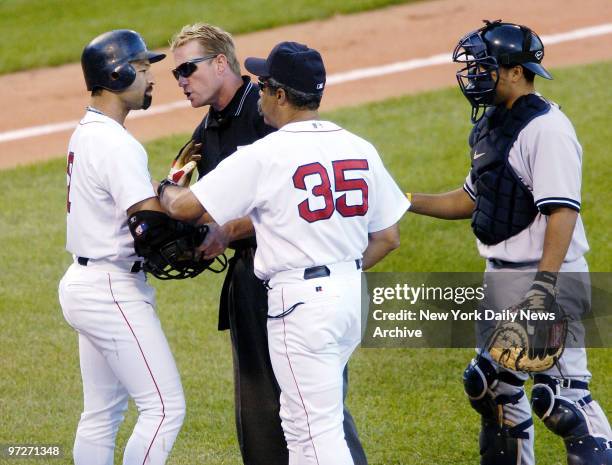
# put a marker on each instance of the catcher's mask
(169, 246)
(484, 50)
(177, 259)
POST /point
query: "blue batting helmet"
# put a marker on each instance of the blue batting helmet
(106, 59)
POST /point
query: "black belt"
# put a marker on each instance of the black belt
(136, 267)
(323, 271)
(506, 264)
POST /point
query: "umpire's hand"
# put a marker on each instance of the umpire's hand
(215, 243)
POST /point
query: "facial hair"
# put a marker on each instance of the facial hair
(146, 100)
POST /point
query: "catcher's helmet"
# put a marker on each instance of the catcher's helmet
(486, 49)
(106, 59)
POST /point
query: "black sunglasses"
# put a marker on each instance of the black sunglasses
(189, 67)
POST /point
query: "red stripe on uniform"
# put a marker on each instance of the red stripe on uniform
(296, 383)
(148, 368)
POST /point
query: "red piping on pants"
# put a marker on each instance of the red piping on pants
(148, 368)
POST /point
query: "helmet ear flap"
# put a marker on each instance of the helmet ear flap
(121, 77)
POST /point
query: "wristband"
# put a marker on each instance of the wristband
(163, 184)
(547, 277)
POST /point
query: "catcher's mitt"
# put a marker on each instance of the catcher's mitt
(534, 341)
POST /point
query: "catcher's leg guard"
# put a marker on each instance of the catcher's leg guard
(566, 419)
(500, 439)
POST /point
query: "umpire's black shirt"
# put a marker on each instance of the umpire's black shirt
(239, 123)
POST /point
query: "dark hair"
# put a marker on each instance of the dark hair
(298, 99)
(529, 75)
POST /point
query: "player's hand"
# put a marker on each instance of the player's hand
(184, 163)
(215, 243)
(541, 299)
(536, 340)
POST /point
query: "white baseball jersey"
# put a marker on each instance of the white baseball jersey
(548, 159)
(313, 191)
(107, 174)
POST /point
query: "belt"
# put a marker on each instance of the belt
(321, 271)
(561, 382)
(498, 263)
(132, 267)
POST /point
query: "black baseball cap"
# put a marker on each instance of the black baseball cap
(292, 64)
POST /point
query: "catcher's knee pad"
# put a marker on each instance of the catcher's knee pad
(479, 380)
(500, 442)
(565, 418)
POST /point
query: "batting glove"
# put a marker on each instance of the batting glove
(184, 164)
(541, 299)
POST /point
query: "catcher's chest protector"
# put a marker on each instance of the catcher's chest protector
(504, 205)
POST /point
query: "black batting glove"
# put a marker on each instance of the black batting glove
(540, 299)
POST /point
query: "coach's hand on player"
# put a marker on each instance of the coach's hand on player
(184, 163)
(215, 243)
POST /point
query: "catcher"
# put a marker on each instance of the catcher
(523, 197)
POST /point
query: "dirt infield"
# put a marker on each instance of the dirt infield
(366, 40)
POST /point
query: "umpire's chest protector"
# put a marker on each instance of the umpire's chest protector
(504, 205)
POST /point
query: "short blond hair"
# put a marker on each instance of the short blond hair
(212, 39)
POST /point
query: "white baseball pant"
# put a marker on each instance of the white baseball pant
(123, 353)
(309, 348)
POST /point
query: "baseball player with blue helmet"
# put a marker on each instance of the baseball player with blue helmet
(523, 196)
(104, 294)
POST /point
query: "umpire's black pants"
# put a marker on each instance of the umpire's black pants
(244, 309)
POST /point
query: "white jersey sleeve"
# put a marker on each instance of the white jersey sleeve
(468, 186)
(242, 171)
(555, 162)
(391, 202)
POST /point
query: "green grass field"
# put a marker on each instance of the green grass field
(408, 404)
(52, 32)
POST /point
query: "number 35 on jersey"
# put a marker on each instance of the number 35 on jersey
(320, 204)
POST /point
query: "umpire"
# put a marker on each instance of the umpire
(208, 73)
